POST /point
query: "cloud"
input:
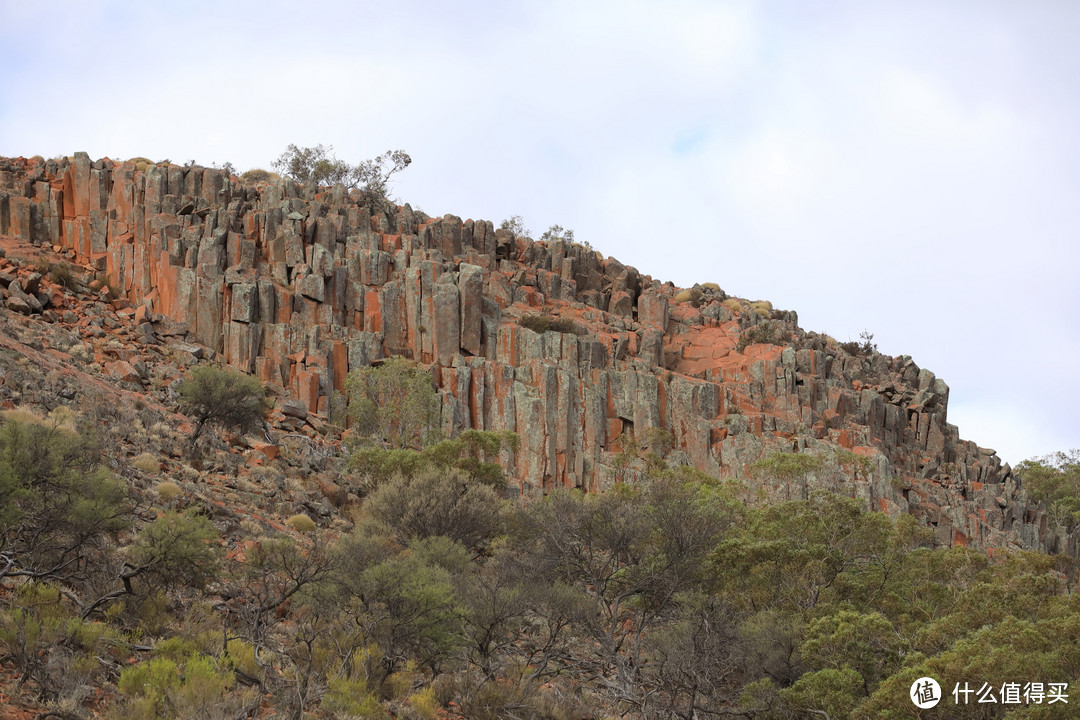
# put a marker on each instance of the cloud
(908, 168)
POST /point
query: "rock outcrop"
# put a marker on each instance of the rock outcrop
(299, 286)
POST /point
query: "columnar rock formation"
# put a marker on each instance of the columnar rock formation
(299, 286)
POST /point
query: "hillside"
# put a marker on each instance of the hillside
(299, 287)
(704, 573)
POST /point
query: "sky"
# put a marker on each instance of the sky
(907, 168)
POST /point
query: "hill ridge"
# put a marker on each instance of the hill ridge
(300, 285)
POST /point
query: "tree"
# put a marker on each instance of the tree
(435, 502)
(394, 402)
(56, 504)
(224, 398)
(314, 165)
(516, 225)
(317, 165)
(1054, 480)
(556, 232)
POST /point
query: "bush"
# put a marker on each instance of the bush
(394, 403)
(473, 452)
(734, 305)
(221, 397)
(435, 502)
(765, 333)
(694, 296)
(175, 550)
(147, 462)
(59, 273)
(301, 523)
(763, 308)
(56, 503)
(542, 323)
(786, 466)
(258, 175)
(863, 348)
(1055, 481)
(168, 491)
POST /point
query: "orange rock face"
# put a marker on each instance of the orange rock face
(301, 286)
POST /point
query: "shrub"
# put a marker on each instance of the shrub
(104, 282)
(763, 308)
(59, 273)
(785, 465)
(394, 402)
(694, 296)
(542, 323)
(141, 163)
(221, 397)
(1055, 481)
(863, 348)
(168, 491)
(435, 502)
(472, 452)
(148, 463)
(175, 550)
(258, 175)
(733, 304)
(56, 503)
(301, 523)
(425, 703)
(765, 333)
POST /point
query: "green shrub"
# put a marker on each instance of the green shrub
(56, 503)
(861, 463)
(221, 397)
(425, 703)
(1055, 481)
(472, 452)
(785, 465)
(318, 166)
(175, 549)
(394, 402)
(435, 502)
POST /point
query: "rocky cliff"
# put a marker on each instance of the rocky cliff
(300, 285)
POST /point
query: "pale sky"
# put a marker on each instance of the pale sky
(911, 168)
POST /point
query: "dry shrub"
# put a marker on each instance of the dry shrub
(301, 523)
(147, 462)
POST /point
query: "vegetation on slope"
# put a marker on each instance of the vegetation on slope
(667, 598)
